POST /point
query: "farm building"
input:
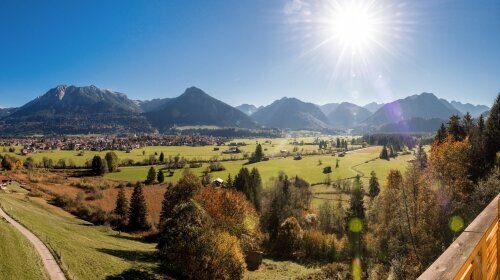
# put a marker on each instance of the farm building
(218, 182)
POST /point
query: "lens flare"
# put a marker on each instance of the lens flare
(355, 225)
(456, 223)
(356, 269)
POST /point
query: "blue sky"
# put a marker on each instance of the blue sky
(245, 51)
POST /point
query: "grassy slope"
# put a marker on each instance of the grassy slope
(88, 252)
(18, 258)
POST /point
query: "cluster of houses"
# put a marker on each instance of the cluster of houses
(31, 145)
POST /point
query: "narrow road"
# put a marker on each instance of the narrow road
(53, 269)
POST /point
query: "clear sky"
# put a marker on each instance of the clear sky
(252, 51)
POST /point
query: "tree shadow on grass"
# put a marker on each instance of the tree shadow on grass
(133, 274)
(131, 255)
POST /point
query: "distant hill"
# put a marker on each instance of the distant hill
(291, 113)
(195, 107)
(76, 110)
(413, 125)
(328, 108)
(6, 111)
(373, 107)
(248, 109)
(474, 110)
(151, 105)
(348, 115)
(425, 106)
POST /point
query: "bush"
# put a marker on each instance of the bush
(62, 201)
(289, 238)
(318, 246)
(216, 166)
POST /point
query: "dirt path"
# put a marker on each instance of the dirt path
(50, 264)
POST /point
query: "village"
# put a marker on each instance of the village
(31, 145)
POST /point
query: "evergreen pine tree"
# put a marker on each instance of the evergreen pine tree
(492, 134)
(384, 154)
(256, 186)
(97, 166)
(161, 177)
(121, 208)
(455, 128)
(258, 155)
(441, 134)
(162, 157)
(468, 124)
(374, 185)
(137, 215)
(150, 179)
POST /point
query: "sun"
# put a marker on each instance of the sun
(353, 25)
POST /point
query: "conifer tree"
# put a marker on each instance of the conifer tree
(441, 134)
(121, 208)
(256, 186)
(98, 166)
(384, 154)
(374, 185)
(161, 177)
(492, 134)
(150, 179)
(162, 157)
(137, 216)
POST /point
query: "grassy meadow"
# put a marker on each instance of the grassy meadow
(86, 251)
(309, 167)
(271, 147)
(18, 258)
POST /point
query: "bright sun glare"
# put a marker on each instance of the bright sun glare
(353, 26)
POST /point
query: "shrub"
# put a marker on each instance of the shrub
(289, 238)
(61, 200)
(318, 246)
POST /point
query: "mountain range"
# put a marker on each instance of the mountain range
(291, 113)
(195, 107)
(82, 110)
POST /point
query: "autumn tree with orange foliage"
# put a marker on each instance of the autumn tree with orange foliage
(449, 164)
(232, 212)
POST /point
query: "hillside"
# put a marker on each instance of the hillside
(348, 115)
(76, 110)
(425, 106)
(328, 108)
(151, 105)
(195, 107)
(413, 125)
(291, 113)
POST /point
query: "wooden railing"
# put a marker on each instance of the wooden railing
(475, 253)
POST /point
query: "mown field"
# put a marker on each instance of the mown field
(87, 251)
(272, 147)
(18, 258)
(310, 167)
